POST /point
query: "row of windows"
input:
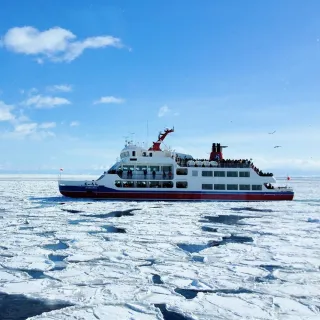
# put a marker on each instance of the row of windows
(148, 168)
(126, 154)
(184, 184)
(207, 173)
(184, 171)
(207, 186)
(150, 184)
(231, 174)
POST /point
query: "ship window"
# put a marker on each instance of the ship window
(155, 168)
(114, 167)
(219, 187)
(144, 154)
(166, 168)
(126, 167)
(155, 184)
(232, 173)
(133, 153)
(128, 184)
(124, 154)
(256, 187)
(219, 173)
(141, 184)
(244, 174)
(194, 173)
(141, 168)
(232, 187)
(182, 172)
(167, 184)
(117, 183)
(207, 173)
(182, 184)
(244, 186)
(150, 154)
(207, 186)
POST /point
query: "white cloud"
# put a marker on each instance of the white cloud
(109, 99)
(21, 117)
(45, 102)
(25, 128)
(31, 130)
(61, 87)
(5, 112)
(163, 111)
(55, 44)
(74, 123)
(21, 126)
(29, 92)
(47, 125)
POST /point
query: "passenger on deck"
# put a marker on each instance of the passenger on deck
(129, 173)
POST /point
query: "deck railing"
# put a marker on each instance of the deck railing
(142, 176)
(227, 164)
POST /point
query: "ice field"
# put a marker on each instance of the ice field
(84, 259)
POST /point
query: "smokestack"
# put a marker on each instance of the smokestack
(216, 153)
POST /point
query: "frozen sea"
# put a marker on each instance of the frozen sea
(83, 259)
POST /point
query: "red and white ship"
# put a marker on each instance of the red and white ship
(165, 175)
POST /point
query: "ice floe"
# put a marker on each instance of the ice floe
(87, 259)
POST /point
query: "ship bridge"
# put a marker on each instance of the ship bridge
(133, 152)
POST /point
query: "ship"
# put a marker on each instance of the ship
(153, 174)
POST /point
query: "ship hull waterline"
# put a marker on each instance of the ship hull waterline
(177, 196)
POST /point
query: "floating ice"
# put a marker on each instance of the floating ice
(141, 260)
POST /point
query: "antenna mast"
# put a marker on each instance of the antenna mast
(147, 133)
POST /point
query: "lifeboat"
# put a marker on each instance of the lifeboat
(190, 163)
(198, 163)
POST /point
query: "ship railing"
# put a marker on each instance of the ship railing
(270, 186)
(284, 188)
(233, 165)
(148, 176)
(220, 165)
(227, 165)
(281, 189)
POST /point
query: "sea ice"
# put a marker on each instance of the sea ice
(73, 250)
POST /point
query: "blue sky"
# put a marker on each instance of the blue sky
(78, 76)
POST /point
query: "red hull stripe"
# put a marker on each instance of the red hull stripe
(179, 196)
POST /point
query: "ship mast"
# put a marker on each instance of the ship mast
(161, 137)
